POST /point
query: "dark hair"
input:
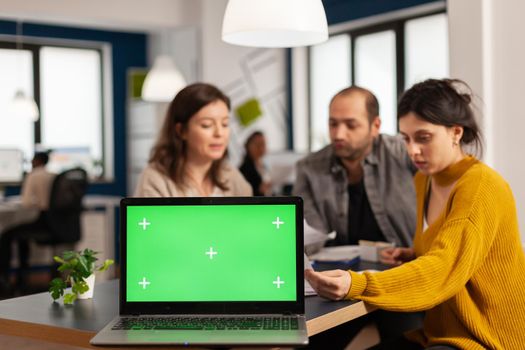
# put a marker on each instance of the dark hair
(41, 157)
(168, 154)
(248, 141)
(444, 102)
(371, 103)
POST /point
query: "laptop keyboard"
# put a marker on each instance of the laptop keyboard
(207, 323)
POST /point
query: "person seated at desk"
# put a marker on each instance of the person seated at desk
(361, 185)
(189, 157)
(466, 267)
(252, 166)
(36, 191)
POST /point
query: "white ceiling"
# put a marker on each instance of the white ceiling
(130, 15)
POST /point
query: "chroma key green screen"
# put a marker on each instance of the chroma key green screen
(211, 253)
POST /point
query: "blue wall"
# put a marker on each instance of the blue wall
(128, 50)
(338, 11)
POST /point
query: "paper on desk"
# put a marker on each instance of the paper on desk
(314, 236)
(340, 253)
(308, 290)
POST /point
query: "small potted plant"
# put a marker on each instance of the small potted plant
(78, 269)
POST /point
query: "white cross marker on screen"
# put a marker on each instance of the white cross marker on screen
(144, 283)
(144, 223)
(277, 222)
(211, 253)
(278, 282)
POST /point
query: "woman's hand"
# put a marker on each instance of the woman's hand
(396, 256)
(333, 284)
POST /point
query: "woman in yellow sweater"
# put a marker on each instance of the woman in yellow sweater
(467, 267)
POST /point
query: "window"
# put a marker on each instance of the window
(375, 69)
(426, 48)
(16, 70)
(329, 78)
(69, 90)
(385, 58)
(71, 106)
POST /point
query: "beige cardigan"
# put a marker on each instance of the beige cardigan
(152, 183)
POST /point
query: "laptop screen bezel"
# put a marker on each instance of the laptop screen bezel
(222, 307)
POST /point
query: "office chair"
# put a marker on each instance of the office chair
(65, 207)
(60, 224)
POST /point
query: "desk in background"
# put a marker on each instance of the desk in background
(12, 213)
(98, 227)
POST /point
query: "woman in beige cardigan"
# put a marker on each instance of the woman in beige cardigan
(188, 159)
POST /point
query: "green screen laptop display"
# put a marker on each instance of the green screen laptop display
(211, 253)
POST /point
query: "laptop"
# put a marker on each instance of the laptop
(219, 271)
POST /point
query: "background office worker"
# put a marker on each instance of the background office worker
(36, 191)
(189, 157)
(252, 167)
(466, 267)
(36, 188)
(361, 185)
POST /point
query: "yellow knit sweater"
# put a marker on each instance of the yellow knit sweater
(469, 274)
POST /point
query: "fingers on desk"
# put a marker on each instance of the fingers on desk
(333, 284)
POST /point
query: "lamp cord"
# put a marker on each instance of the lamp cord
(19, 35)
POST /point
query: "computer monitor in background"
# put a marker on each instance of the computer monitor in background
(64, 158)
(11, 166)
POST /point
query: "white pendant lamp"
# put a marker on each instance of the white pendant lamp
(22, 106)
(163, 81)
(274, 23)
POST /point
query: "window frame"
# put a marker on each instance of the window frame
(34, 45)
(398, 26)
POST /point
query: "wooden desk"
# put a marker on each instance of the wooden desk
(37, 317)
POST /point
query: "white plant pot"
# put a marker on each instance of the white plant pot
(91, 284)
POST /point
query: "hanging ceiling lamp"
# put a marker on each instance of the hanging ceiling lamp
(274, 23)
(163, 81)
(23, 106)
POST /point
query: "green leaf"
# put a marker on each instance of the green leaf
(89, 254)
(56, 288)
(106, 265)
(83, 266)
(64, 267)
(59, 259)
(69, 298)
(69, 254)
(80, 286)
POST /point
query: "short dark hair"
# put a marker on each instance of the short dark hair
(168, 153)
(371, 103)
(444, 102)
(41, 157)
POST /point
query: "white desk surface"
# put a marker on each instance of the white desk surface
(13, 213)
